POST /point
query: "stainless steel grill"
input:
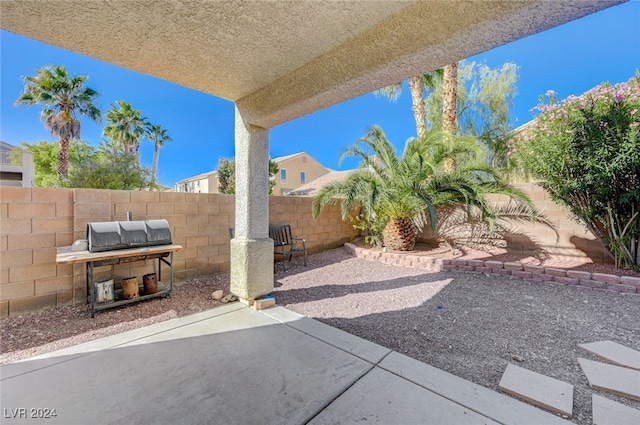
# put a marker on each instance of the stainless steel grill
(113, 235)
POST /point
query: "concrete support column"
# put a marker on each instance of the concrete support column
(251, 248)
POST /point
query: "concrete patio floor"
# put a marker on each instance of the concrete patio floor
(235, 365)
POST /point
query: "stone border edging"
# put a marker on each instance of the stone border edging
(531, 273)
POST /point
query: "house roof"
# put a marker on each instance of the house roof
(198, 177)
(311, 188)
(282, 60)
(280, 159)
(6, 147)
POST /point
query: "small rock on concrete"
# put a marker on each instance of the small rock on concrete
(228, 298)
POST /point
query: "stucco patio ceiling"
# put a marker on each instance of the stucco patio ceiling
(284, 59)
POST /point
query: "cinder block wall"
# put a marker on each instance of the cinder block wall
(34, 221)
(572, 239)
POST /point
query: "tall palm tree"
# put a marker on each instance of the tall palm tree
(449, 106)
(450, 98)
(401, 193)
(159, 136)
(417, 86)
(64, 98)
(126, 127)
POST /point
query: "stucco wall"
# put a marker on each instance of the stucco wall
(34, 221)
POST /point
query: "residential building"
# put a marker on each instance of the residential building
(15, 175)
(199, 184)
(311, 188)
(294, 171)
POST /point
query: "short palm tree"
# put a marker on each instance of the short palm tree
(159, 136)
(126, 126)
(65, 99)
(403, 193)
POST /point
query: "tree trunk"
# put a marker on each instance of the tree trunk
(63, 159)
(417, 100)
(154, 168)
(449, 106)
(450, 98)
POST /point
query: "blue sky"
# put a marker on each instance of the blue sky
(569, 59)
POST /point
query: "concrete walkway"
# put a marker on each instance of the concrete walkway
(234, 365)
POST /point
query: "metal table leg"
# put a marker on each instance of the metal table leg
(91, 287)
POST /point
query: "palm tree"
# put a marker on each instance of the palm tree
(449, 106)
(417, 86)
(159, 136)
(450, 98)
(126, 127)
(64, 98)
(400, 194)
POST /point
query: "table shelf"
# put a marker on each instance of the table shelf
(163, 291)
(163, 253)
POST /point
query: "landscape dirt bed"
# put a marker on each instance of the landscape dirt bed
(469, 324)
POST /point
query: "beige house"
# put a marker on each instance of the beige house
(199, 184)
(296, 170)
(311, 188)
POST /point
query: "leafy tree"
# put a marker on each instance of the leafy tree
(586, 150)
(227, 176)
(65, 99)
(159, 136)
(45, 162)
(103, 168)
(126, 127)
(111, 168)
(399, 194)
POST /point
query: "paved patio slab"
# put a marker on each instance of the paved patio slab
(401, 399)
(540, 390)
(614, 353)
(613, 379)
(492, 404)
(237, 368)
(234, 365)
(352, 344)
(608, 412)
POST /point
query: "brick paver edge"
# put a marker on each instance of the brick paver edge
(594, 281)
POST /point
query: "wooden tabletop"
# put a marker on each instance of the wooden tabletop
(67, 256)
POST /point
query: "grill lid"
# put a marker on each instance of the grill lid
(112, 235)
(158, 232)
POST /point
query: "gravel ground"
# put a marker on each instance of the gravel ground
(38, 333)
(470, 325)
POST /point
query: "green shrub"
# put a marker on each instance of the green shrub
(586, 151)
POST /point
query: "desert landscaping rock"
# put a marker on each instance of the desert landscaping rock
(217, 295)
(228, 298)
